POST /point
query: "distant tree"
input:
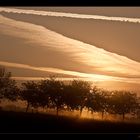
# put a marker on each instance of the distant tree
(97, 100)
(70, 98)
(45, 91)
(90, 99)
(31, 93)
(79, 90)
(138, 108)
(55, 90)
(123, 102)
(8, 87)
(104, 100)
(11, 92)
(4, 80)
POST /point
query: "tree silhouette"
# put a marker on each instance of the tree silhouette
(104, 97)
(138, 108)
(70, 98)
(55, 90)
(97, 100)
(11, 92)
(123, 102)
(80, 90)
(31, 94)
(44, 89)
(90, 99)
(8, 88)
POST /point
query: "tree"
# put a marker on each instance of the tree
(70, 98)
(80, 90)
(90, 99)
(44, 90)
(97, 100)
(11, 92)
(138, 108)
(8, 87)
(31, 94)
(54, 89)
(123, 102)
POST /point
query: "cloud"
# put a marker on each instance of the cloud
(105, 64)
(54, 70)
(82, 76)
(70, 15)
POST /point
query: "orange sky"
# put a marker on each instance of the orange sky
(102, 48)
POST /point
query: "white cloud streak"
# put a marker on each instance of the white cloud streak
(70, 15)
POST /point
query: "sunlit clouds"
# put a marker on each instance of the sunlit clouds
(78, 59)
(82, 76)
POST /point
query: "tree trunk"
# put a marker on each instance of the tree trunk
(57, 109)
(123, 116)
(87, 111)
(81, 109)
(92, 114)
(27, 107)
(43, 107)
(102, 115)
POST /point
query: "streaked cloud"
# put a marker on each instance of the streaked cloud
(54, 70)
(106, 65)
(70, 15)
(82, 76)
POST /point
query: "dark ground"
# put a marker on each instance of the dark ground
(20, 122)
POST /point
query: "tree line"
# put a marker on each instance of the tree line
(76, 95)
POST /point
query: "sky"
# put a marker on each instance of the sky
(99, 44)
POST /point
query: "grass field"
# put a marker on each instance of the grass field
(20, 122)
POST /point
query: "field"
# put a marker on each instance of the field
(20, 122)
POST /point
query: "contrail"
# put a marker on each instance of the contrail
(69, 15)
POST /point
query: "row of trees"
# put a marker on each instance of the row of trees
(76, 95)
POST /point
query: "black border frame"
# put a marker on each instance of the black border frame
(77, 3)
(69, 2)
